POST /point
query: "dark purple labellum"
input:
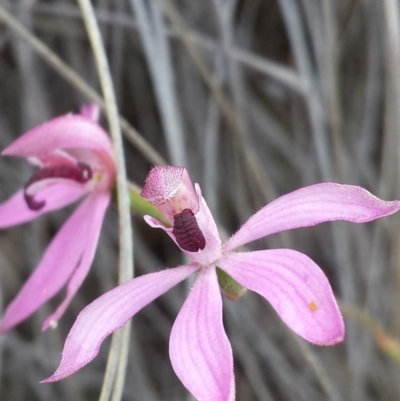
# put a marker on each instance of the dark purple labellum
(187, 232)
(80, 172)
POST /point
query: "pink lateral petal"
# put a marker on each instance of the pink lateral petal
(69, 131)
(57, 264)
(15, 210)
(100, 202)
(295, 286)
(313, 205)
(110, 312)
(199, 349)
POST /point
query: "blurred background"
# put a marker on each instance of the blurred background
(256, 98)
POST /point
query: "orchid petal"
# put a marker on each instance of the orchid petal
(312, 205)
(208, 227)
(109, 313)
(296, 288)
(57, 264)
(69, 131)
(100, 202)
(200, 351)
(90, 111)
(16, 211)
(57, 157)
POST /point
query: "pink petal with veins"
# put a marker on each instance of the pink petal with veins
(100, 202)
(312, 205)
(109, 313)
(199, 349)
(54, 270)
(70, 131)
(296, 288)
(15, 210)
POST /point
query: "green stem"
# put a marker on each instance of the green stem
(114, 378)
(140, 205)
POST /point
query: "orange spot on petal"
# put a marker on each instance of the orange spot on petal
(313, 306)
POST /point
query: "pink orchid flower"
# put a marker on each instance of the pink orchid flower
(74, 157)
(295, 286)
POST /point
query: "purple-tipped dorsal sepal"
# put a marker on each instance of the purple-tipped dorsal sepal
(162, 184)
(171, 190)
(78, 172)
(187, 232)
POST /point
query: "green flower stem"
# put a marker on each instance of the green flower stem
(141, 206)
(386, 342)
(113, 383)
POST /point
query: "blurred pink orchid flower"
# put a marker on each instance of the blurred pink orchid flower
(75, 159)
(295, 286)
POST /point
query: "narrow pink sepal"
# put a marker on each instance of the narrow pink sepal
(296, 288)
(57, 264)
(110, 312)
(100, 202)
(312, 205)
(199, 349)
(90, 111)
(69, 131)
(15, 210)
